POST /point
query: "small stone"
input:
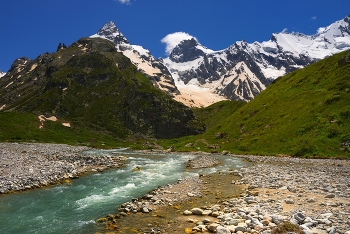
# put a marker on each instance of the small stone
(251, 200)
(212, 227)
(326, 215)
(294, 221)
(299, 217)
(222, 230)
(332, 230)
(330, 196)
(191, 220)
(207, 212)
(241, 227)
(289, 201)
(205, 221)
(324, 221)
(145, 210)
(197, 211)
(202, 228)
(215, 214)
(187, 212)
(277, 219)
(311, 200)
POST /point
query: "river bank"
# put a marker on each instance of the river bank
(312, 194)
(33, 165)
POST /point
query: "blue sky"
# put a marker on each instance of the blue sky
(30, 28)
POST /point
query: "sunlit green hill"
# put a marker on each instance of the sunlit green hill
(305, 113)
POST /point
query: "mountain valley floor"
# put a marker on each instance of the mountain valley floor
(313, 194)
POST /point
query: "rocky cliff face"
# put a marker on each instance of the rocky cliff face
(91, 85)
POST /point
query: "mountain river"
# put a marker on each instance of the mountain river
(73, 207)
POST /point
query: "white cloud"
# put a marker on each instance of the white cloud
(313, 17)
(285, 30)
(173, 39)
(124, 1)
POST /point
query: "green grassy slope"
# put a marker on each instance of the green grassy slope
(96, 89)
(24, 127)
(217, 112)
(305, 113)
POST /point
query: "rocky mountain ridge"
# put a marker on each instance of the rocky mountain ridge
(90, 85)
(198, 76)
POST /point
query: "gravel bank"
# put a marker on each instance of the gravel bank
(312, 194)
(203, 161)
(26, 166)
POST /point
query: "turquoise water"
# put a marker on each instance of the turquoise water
(73, 207)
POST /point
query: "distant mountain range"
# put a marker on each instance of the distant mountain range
(198, 76)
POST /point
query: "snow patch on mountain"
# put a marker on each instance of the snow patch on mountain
(2, 74)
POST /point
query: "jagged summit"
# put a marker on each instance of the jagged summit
(153, 68)
(188, 50)
(111, 32)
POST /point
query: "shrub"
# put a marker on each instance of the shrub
(286, 227)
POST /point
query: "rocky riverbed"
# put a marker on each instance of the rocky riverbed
(28, 165)
(300, 195)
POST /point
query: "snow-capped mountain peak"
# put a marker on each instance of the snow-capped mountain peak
(187, 50)
(141, 58)
(327, 41)
(111, 32)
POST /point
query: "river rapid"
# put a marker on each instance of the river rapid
(73, 207)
